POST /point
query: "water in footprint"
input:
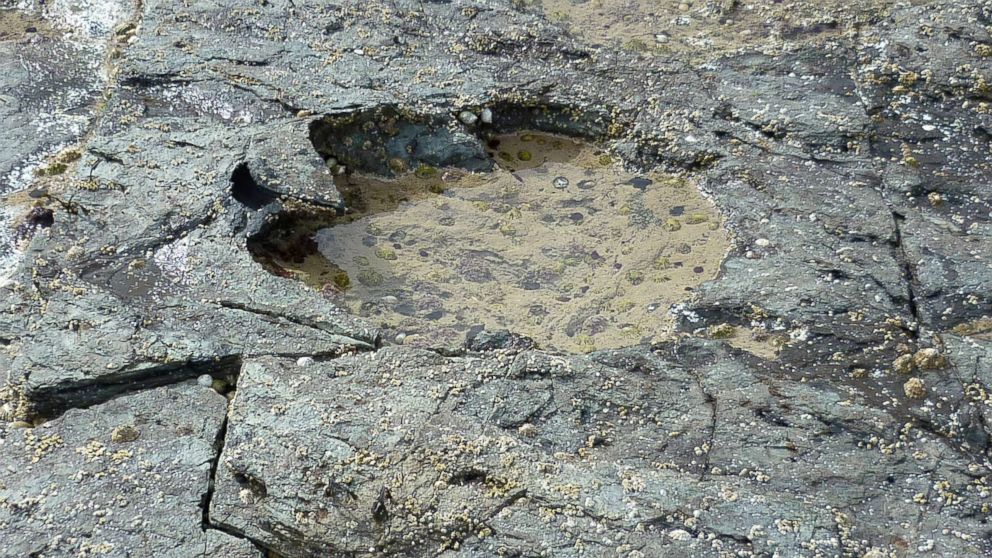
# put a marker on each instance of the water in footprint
(559, 243)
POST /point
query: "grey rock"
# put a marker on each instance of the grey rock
(501, 339)
(634, 444)
(468, 118)
(74, 486)
(853, 174)
(52, 80)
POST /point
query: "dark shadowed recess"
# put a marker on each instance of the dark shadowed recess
(388, 141)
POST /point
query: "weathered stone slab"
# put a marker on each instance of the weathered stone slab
(125, 478)
(405, 452)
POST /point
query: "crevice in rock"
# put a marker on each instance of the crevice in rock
(218, 447)
(711, 402)
(292, 109)
(909, 274)
(207, 498)
(52, 402)
(551, 118)
(149, 81)
(369, 343)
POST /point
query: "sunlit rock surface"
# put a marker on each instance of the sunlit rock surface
(824, 391)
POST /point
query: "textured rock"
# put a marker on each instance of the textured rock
(52, 62)
(406, 452)
(853, 173)
(74, 488)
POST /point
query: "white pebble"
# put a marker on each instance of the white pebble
(468, 117)
(303, 362)
(205, 380)
(679, 535)
(487, 116)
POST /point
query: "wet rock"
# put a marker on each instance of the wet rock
(497, 340)
(50, 60)
(284, 162)
(853, 173)
(368, 140)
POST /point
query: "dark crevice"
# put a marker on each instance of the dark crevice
(371, 342)
(50, 403)
(266, 550)
(155, 80)
(468, 476)
(710, 400)
(908, 272)
(207, 497)
(292, 109)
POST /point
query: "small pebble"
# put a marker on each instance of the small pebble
(125, 433)
(303, 362)
(560, 182)
(487, 116)
(205, 380)
(467, 117)
(762, 242)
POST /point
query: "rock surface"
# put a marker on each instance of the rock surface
(853, 172)
(124, 478)
(681, 450)
(53, 61)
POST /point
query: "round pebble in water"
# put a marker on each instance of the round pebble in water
(697, 269)
(586, 184)
(640, 182)
(560, 182)
(576, 217)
